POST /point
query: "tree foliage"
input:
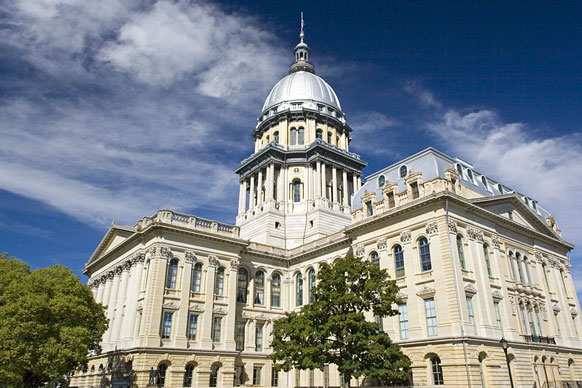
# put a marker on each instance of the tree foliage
(333, 329)
(49, 323)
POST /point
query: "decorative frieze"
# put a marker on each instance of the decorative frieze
(360, 251)
(470, 289)
(165, 252)
(475, 234)
(406, 236)
(554, 263)
(497, 295)
(170, 306)
(432, 227)
(195, 308)
(234, 264)
(213, 261)
(381, 244)
(219, 311)
(425, 292)
(401, 295)
(125, 265)
(452, 225)
(513, 307)
(189, 256)
(496, 242)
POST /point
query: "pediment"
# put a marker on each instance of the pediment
(115, 236)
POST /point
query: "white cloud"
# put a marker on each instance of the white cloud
(369, 126)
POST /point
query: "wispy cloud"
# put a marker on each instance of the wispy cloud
(119, 108)
(549, 169)
(370, 126)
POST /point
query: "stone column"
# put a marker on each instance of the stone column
(111, 304)
(334, 184)
(260, 188)
(307, 182)
(120, 302)
(182, 315)
(242, 197)
(286, 184)
(317, 180)
(323, 181)
(134, 288)
(230, 320)
(100, 289)
(354, 183)
(206, 324)
(252, 193)
(107, 288)
(270, 181)
(359, 182)
(154, 298)
(345, 187)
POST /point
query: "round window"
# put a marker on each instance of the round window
(381, 180)
(403, 171)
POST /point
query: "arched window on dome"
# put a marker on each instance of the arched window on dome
(276, 290)
(301, 136)
(329, 136)
(296, 191)
(276, 137)
(319, 134)
(293, 136)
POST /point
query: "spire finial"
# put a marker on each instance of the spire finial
(301, 35)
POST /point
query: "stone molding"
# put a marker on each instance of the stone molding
(556, 308)
(402, 295)
(470, 289)
(124, 265)
(425, 292)
(573, 312)
(195, 308)
(219, 311)
(213, 261)
(475, 234)
(234, 264)
(497, 295)
(170, 306)
(190, 256)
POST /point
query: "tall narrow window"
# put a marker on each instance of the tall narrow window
(300, 136)
(527, 271)
(545, 272)
(558, 331)
(431, 319)
(274, 377)
(391, 202)
(310, 284)
(257, 374)
(461, 252)
(470, 175)
(562, 276)
(167, 324)
(259, 337)
(369, 210)
(276, 137)
(319, 134)
(213, 375)
(219, 282)
(188, 373)
(298, 290)
(375, 259)
(522, 317)
(424, 251)
(161, 379)
(329, 137)
(398, 260)
(403, 319)
(197, 277)
(216, 329)
(487, 260)
(532, 325)
(379, 321)
(470, 310)
(172, 274)
(437, 371)
(403, 171)
(240, 336)
(192, 326)
(414, 189)
(520, 268)
(293, 136)
(297, 191)
(260, 288)
(276, 290)
(498, 315)
(242, 285)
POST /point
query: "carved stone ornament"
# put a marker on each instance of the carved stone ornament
(244, 314)
(234, 264)
(213, 261)
(165, 252)
(573, 312)
(470, 289)
(475, 234)
(139, 306)
(425, 292)
(151, 253)
(118, 269)
(401, 295)
(360, 251)
(432, 227)
(381, 243)
(556, 308)
(568, 267)
(189, 256)
(219, 311)
(538, 256)
(406, 236)
(170, 306)
(496, 242)
(513, 307)
(452, 224)
(497, 295)
(261, 317)
(195, 308)
(544, 313)
(554, 263)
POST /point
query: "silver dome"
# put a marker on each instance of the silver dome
(302, 86)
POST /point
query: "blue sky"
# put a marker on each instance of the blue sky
(111, 110)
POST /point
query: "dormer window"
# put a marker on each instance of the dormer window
(403, 171)
(391, 202)
(460, 169)
(470, 175)
(500, 188)
(369, 209)
(381, 180)
(484, 181)
(414, 189)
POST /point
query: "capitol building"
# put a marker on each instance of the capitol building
(191, 302)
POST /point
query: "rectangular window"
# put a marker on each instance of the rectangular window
(414, 188)
(216, 329)
(471, 313)
(167, 324)
(369, 210)
(240, 336)
(558, 331)
(399, 261)
(498, 315)
(259, 337)
(274, 377)
(257, 374)
(391, 202)
(192, 326)
(431, 321)
(403, 318)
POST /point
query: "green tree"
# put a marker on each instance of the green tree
(49, 324)
(333, 329)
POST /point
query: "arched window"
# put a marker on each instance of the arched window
(276, 290)
(470, 174)
(329, 137)
(161, 380)
(260, 288)
(484, 181)
(562, 276)
(460, 170)
(437, 371)
(319, 134)
(526, 265)
(219, 283)
(482, 357)
(461, 252)
(424, 251)
(197, 277)
(242, 285)
(172, 274)
(213, 375)
(188, 373)
(375, 259)
(500, 188)
(487, 260)
(544, 270)
(520, 268)
(296, 191)
(267, 140)
(298, 290)
(276, 137)
(398, 260)
(403, 171)
(310, 285)
(300, 136)
(293, 136)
